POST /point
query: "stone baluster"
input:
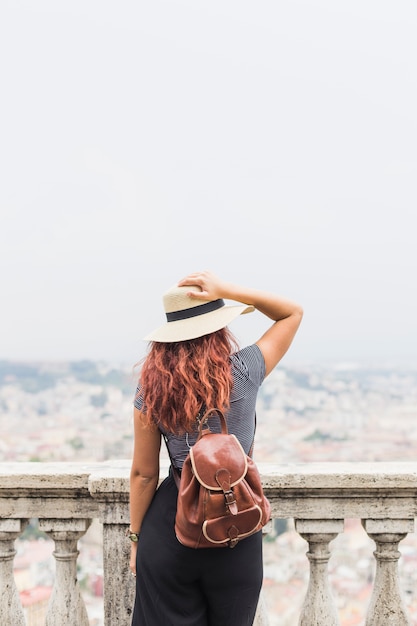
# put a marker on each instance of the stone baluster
(11, 612)
(386, 607)
(118, 606)
(66, 605)
(319, 607)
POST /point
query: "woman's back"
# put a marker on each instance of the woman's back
(248, 370)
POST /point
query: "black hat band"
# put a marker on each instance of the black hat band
(194, 311)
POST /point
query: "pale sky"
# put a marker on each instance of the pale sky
(273, 142)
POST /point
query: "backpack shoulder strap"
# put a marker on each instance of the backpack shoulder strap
(174, 471)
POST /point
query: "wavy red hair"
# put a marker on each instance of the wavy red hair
(177, 379)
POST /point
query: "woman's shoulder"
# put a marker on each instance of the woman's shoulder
(248, 353)
(250, 362)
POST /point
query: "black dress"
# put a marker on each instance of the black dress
(180, 586)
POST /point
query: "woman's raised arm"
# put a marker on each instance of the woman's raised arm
(285, 314)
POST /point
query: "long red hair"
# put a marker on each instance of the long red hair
(177, 379)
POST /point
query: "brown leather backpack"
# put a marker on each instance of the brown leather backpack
(220, 495)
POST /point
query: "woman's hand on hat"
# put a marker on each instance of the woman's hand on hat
(211, 286)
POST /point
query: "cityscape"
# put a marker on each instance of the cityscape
(306, 413)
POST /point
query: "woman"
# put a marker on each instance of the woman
(194, 363)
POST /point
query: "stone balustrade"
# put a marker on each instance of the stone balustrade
(65, 497)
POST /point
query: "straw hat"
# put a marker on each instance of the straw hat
(188, 318)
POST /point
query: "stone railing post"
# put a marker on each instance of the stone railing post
(319, 608)
(111, 491)
(119, 584)
(66, 605)
(386, 607)
(11, 612)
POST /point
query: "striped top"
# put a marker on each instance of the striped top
(248, 370)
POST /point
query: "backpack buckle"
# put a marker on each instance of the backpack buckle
(233, 536)
(230, 500)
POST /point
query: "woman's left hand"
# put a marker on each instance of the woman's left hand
(132, 562)
(211, 286)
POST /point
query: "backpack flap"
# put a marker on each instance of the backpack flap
(218, 461)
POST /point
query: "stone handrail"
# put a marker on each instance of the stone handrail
(65, 497)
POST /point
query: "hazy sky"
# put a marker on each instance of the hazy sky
(273, 142)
